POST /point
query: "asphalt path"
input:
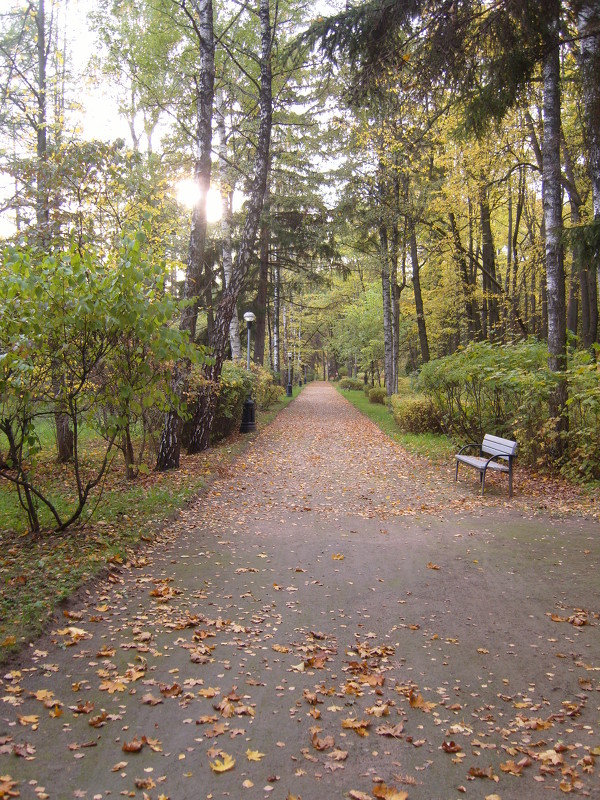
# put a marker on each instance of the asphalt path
(334, 618)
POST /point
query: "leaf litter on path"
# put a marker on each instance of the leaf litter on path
(273, 637)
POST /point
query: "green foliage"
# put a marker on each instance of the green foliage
(378, 394)
(235, 384)
(584, 417)
(351, 383)
(415, 414)
(266, 390)
(505, 390)
(86, 336)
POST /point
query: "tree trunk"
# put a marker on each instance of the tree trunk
(416, 272)
(388, 348)
(553, 224)
(276, 320)
(490, 288)
(588, 24)
(200, 13)
(201, 433)
(226, 182)
(472, 314)
(263, 288)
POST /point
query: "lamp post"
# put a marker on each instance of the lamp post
(289, 386)
(249, 414)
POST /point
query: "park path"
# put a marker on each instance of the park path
(333, 618)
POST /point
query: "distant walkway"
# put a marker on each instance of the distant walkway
(334, 618)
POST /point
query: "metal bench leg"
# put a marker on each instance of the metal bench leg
(510, 481)
(456, 473)
(482, 475)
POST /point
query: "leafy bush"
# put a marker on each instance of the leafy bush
(584, 417)
(351, 384)
(85, 335)
(235, 384)
(266, 390)
(505, 390)
(415, 414)
(378, 394)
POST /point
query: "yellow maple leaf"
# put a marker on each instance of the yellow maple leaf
(337, 557)
(42, 694)
(224, 764)
(112, 686)
(254, 755)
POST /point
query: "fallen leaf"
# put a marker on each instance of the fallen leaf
(384, 792)
(359, 726)
(151, 700)
(223, 764)
(416, 701)
(8, 787)
(134, 746)
(254, 755)
(321, 744)
(391, 730)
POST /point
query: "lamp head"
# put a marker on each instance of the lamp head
(249, 317)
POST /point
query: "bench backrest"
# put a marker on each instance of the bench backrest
(496, 446)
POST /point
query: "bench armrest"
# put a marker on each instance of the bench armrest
(466, 447)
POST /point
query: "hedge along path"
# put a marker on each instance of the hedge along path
(334, 618)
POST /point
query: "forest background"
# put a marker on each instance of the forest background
(409, 200)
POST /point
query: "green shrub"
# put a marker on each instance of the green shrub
(415, 414)
(351, 383)
(234, 386)
(378, 394)
(584, 418)
(505, 390)
(266, 390)
(367, 388)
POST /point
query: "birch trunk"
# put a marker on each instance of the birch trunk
(588, 24)
(204, 419)
(553, 226)
(226, 187)
(200, 14)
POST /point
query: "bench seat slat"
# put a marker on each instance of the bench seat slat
(480, 463)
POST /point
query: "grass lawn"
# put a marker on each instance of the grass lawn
(38, 572)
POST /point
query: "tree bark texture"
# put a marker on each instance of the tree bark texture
(200, 15)
(262, 291)
(388, 347)
(201, 433)
(588, 25)
(553, 224)
(226, 221)
(416, 273)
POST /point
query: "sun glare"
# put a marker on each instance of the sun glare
(188, 195)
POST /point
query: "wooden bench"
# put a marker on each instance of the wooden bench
(490, 450)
